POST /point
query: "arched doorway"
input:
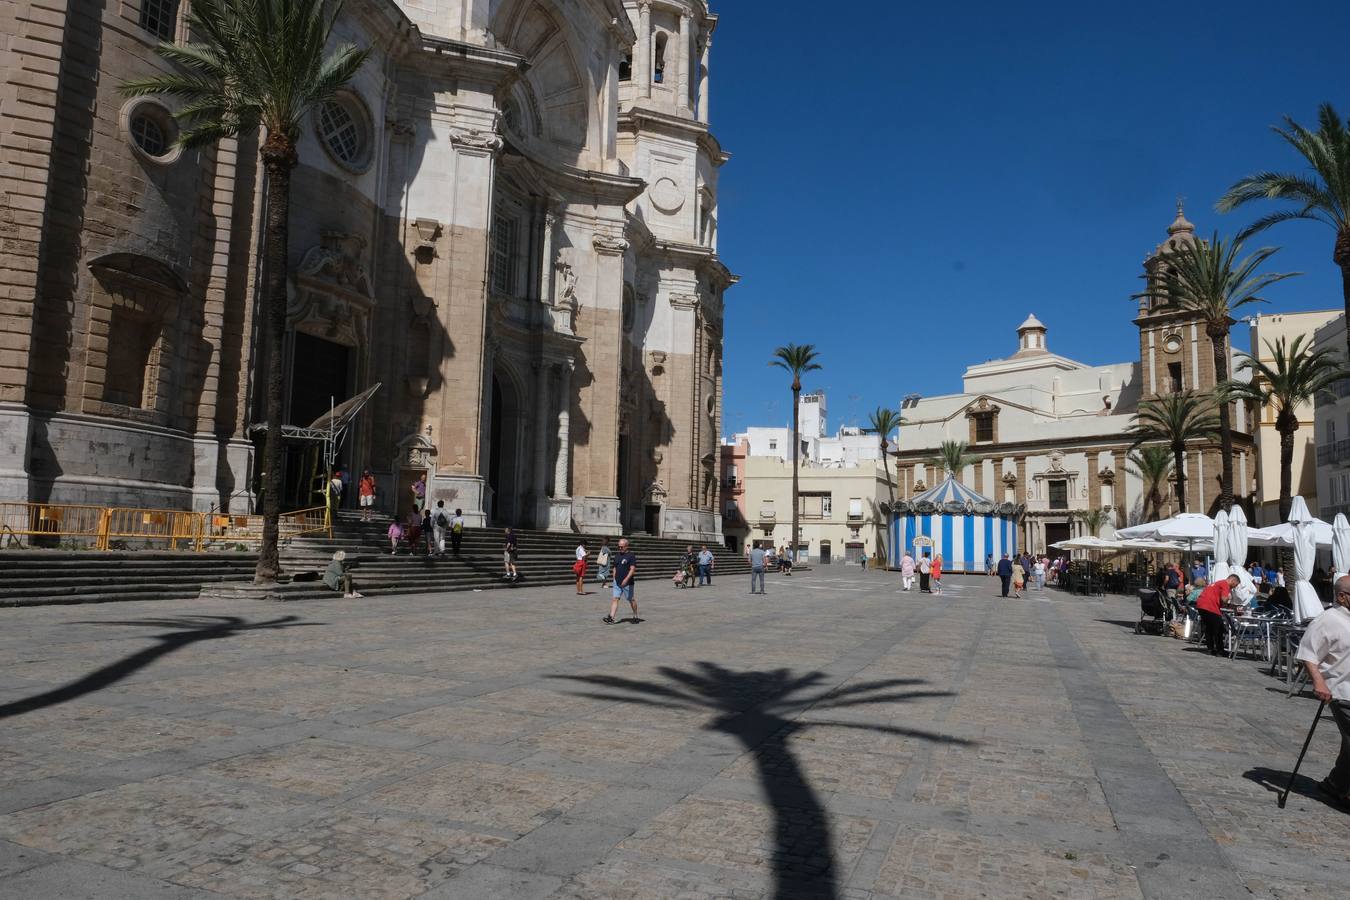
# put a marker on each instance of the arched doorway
(505, 465)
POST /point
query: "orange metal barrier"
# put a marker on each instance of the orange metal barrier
(100, 526)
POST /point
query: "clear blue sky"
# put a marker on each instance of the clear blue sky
(910, 180)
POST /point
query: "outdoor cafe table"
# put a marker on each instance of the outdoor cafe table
(1286, 637)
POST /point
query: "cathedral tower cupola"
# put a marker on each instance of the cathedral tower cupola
(1031, 337)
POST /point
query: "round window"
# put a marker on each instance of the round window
(1172, 343)
(344, 131)
(150, 127)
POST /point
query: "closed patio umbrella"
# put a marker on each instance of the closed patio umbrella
(1237, 552)
(1340, 544)
(1222, 534)
(1306, 604)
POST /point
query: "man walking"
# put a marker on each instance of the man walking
(1005, 573)
(907, 571)
(705, 566)
(925, 570)
(440, 524)
(625, 570)
(1325, 652)
(757, 568)
(456, 531)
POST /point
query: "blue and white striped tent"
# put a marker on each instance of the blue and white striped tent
(952, 520)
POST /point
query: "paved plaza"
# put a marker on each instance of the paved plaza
(836, 738)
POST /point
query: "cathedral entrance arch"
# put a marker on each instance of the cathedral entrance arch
(506, 464)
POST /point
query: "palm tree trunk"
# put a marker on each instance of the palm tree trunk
(884, 527)
(1341, 257)
(1219, 341)
(796, 446)
(1287, 469)
(278, 155)
(1179, 467)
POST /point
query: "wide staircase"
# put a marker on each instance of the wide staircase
(42, 577)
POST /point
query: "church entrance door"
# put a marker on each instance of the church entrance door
(1054, 533)
(652, 520)
(320, 376)
(504, 458)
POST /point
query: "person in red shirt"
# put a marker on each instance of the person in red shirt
(1209, 604)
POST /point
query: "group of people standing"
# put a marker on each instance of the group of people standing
(928, 569)
(1015, 573)
(427, 529)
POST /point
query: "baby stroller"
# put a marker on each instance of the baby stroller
(1152, 613)
(680, 579)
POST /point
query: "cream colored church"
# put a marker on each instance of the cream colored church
(509, 222)
(1049, 433)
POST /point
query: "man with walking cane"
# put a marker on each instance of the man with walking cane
(1325, 651)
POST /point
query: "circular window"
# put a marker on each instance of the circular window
(1172, 343)
(150, 127)
(344, 130)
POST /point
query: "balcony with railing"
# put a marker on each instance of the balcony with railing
(1333, 453)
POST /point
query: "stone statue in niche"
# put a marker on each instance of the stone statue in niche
(565, 280)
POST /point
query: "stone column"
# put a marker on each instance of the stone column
(546, 266)
(703, 76)
(644, 47)
(541, 436)
(682, 100)
(563, 465)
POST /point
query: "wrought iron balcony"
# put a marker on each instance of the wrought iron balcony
(1331, 454)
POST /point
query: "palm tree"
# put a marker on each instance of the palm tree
(797, 360)
(952, 458)
(1293, 377)
(1094, 519)
(883, 422)
(251, 64)
(1176, 420)
(1322, 195)
(1151, 463)
(1208, 279)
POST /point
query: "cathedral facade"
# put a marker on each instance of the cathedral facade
(508, 221)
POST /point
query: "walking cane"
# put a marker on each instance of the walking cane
(1285, 795)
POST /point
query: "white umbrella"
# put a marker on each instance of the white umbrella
(1181, 527)
(1340, 544)
(1283, 535)
(1306, 604)
(1222, 534)
(1088, 542)
(1237, 552)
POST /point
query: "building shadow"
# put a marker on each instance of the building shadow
(758, 710)
(185, 630)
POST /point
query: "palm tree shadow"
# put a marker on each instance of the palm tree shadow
(760, 710)
(186, 630)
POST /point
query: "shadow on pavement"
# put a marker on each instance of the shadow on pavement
(1274, 781)
(755, 708)
(187, 630)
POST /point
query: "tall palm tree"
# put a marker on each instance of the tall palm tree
(1293, 377)
(797, 360)
(883, 422)
(1209, 279)
(1151, 463)
(1176, 420)
(952, 458)
(260, 63)
(1322, 194)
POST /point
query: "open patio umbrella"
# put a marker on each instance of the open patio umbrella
(1282, 535)
(1340, 544)
(1306, 604)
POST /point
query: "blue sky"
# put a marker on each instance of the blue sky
(910, 180)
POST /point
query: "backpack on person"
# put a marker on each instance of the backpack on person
(442, 521)
(458, 527)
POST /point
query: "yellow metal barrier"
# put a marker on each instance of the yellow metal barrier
(52, 521)
(100, 526)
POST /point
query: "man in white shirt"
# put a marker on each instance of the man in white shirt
(1325, 651)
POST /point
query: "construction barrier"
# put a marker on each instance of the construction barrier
(100, 527)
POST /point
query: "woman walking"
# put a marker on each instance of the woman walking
(365, 489)
(602, 562)
(579, 569)
(509, 555)
(936, 574)
(1019, 578)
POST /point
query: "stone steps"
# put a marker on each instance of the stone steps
(41, 577)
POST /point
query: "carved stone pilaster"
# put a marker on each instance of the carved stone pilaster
(608, 245)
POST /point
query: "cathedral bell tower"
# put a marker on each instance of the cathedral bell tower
(1174, 353)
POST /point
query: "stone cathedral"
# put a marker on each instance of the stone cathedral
(509, 221)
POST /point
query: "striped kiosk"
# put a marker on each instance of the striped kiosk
(952, 520)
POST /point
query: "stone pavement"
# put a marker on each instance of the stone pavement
(837, 738)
